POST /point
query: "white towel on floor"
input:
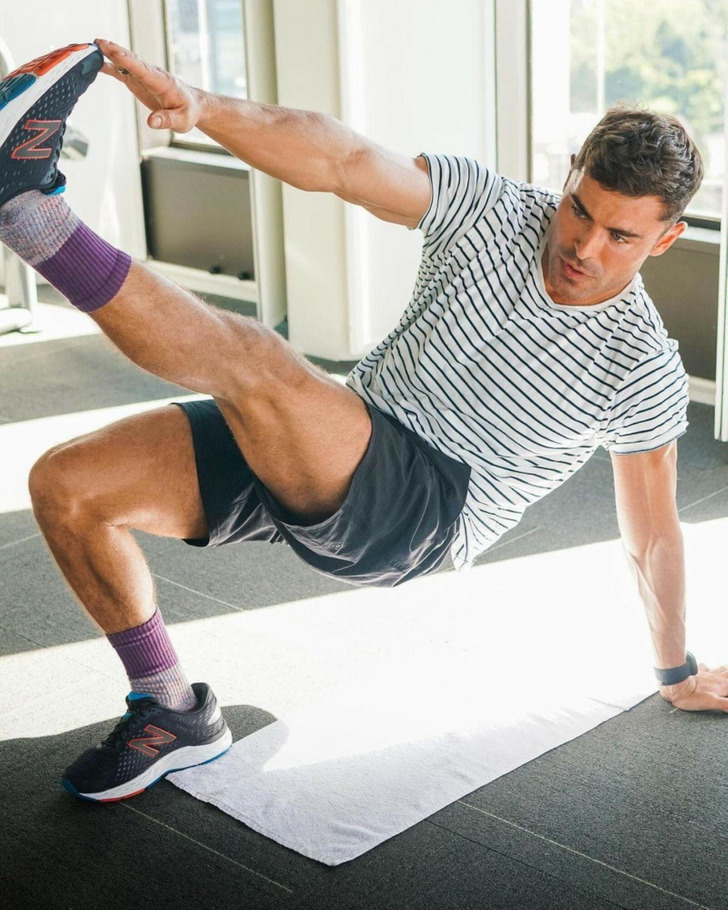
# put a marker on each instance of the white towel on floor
(455, 680)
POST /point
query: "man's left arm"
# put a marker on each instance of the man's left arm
(645, 486)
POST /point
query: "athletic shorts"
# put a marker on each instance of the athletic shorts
(397, 522)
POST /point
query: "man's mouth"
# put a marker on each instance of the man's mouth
(571, 271)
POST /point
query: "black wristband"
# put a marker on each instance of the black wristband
(674, 675)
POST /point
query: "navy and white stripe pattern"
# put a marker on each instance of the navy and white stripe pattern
(487, 368)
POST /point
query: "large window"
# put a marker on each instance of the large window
(668, 55)
(205, 48)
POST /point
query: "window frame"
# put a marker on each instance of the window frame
(177, 141)
(510, 44)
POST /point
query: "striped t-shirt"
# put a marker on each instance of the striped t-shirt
(488, 369)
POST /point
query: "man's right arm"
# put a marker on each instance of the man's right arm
(317, 153)
(306, 149)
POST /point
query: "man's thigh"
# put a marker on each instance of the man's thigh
(303, 435)
(138, 472)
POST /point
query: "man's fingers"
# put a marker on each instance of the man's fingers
(152, 78)
(111, 50)
(112, 70)
(702, 701)
(115, 52)
(172, 103)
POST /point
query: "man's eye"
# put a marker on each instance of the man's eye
(577, 211)
(619, 238)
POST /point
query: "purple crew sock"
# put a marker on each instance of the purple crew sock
(46, 234)
(152, 665)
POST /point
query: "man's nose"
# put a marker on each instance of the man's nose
(588, 243)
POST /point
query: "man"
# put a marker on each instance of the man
(529, 341)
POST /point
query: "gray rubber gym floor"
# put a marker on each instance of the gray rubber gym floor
(633, 814)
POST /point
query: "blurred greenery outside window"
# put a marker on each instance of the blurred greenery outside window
(666, 55)
(205, 48)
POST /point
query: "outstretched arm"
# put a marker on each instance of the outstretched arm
(645, 487)
(306, 149)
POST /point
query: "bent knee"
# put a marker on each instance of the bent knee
(56, 481)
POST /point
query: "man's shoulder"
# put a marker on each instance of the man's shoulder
(538, 195)
(642, 319)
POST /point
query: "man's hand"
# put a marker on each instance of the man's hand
(707, 691)
(174, 104)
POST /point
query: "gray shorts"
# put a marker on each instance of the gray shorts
(397, 521)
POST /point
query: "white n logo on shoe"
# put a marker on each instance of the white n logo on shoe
(157, 737)
(30, 149)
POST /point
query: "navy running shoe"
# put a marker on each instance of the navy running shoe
(148, 742)
(35, 101)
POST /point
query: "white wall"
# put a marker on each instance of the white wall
(415, 76)
(105, 187)
(418, 84)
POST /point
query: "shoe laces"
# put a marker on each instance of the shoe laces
(136, 712)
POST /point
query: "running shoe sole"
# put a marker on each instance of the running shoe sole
(20, 89)
(185, 757)
(34, 105)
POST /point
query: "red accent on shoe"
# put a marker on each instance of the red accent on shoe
(29, 149)
(118, 799)
(158, 737)
(40, 65)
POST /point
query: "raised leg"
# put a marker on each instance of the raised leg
(302, 433)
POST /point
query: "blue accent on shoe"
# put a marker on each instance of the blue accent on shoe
(67, 785)
(57, 192)
(133, 696)
(11, 88)
(199, 764)
(215, 757)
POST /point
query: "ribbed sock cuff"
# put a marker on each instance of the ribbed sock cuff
(146, 649)
(86, 269)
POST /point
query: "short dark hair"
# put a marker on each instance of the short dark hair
(640, 153)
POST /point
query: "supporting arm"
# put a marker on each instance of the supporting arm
(645, 486)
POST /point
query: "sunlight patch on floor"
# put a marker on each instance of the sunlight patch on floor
(52, 323)
(22, 443)
(535, 626)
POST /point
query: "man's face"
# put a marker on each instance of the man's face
(592, 232)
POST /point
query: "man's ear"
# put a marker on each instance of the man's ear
(571, 171)
(668, 238)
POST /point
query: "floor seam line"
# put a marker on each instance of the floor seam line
(205, 847)
(200, 593)
(704, 499)
(592, 859)
(14, 543)
(506, 543)
(73, 344)
(523, 862)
